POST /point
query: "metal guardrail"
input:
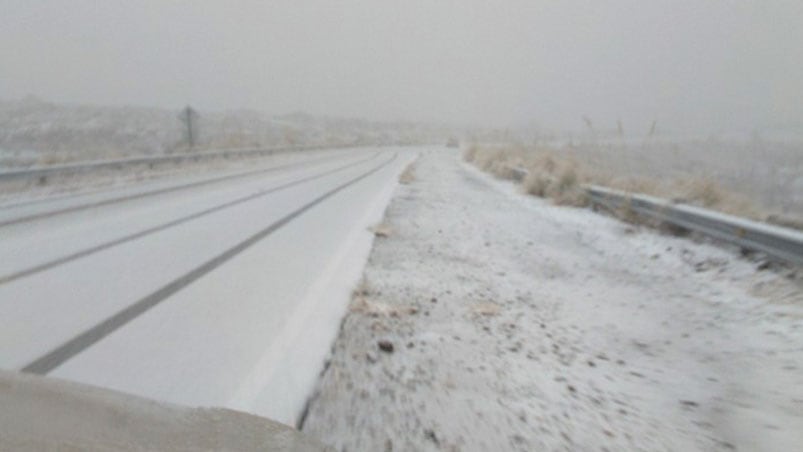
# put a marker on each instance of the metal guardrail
(777, 242)
(148, 160)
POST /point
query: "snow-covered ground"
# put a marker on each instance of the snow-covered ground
(238, 287)
(35, 132)
(766, 171)
(489, 320)
(135, 178)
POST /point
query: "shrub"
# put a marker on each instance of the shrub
(556, 175)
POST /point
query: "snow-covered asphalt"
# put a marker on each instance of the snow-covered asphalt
(489, 320)
(225, 293)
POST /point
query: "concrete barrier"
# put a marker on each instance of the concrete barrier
(41, 413)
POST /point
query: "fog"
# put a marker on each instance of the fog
(690, 65)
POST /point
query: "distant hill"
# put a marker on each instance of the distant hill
(33, 131)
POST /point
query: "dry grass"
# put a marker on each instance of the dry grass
(362, 289)
(632, 185)
(548, 175)
(500, 162)
(785, 221)
(51, 159)
(371, 308)
(362, 303)
(486, 309)
(706, 193)
(381, 230)
(408, 175)
(557, 175)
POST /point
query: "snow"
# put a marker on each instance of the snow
(67, 233)
(520, 325)
(221, 341)
(92, 289)
(26, 193)
(286, 374)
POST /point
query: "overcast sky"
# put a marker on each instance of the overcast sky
(686, 63)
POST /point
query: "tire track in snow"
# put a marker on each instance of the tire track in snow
(174, 188)
(86, 339)
(4, 279)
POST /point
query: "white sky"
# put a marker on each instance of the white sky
(699, 64)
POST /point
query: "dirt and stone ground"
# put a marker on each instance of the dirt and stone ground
(488, 320)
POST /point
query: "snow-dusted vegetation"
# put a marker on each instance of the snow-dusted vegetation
(754, 178)
(34, 132)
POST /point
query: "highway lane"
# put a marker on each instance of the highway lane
(57, 239)
(147, 263)
(17, 212)
(232, 288)
(209, 262)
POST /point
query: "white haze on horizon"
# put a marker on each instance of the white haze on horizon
(691, 65)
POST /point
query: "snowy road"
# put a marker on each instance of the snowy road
(197, 291)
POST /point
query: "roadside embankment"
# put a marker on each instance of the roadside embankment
(488, 320)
